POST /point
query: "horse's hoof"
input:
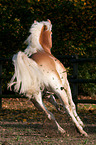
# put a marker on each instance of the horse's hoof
(84, 134)
(62, 130)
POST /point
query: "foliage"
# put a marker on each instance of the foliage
(90, 73)
(73, 25)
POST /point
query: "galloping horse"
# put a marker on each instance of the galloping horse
(37, 70)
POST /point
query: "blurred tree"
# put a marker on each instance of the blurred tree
(74, 26)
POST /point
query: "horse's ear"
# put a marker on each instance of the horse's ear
(49, 21)
(45, 28)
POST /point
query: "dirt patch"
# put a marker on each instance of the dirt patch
(22, 124)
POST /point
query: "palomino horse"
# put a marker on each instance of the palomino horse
(37, 70)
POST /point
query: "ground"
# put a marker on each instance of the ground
(22, 124)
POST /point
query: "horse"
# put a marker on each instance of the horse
(38, 73)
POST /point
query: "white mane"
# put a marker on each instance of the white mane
(33, 39)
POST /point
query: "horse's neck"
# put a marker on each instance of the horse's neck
(45, 40)
(46, 49)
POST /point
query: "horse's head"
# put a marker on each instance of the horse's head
(40, 37)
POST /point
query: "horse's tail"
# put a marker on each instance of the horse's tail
(27, 77)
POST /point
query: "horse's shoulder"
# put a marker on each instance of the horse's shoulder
(42, 56)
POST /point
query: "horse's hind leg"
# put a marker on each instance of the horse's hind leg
(36, 104)
(69, 95)
(38, 98)
(63, 97)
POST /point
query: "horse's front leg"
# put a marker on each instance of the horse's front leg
(50, 98)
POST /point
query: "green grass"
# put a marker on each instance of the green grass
(86, 106)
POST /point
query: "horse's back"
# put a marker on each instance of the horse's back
(44, 60)
(48, 61)
(50, 66)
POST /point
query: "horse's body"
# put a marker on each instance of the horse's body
(43, 70)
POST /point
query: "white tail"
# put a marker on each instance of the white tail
(27, 74)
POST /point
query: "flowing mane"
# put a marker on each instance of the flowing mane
(33, 39)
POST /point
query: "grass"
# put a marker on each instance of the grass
(86, 106)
